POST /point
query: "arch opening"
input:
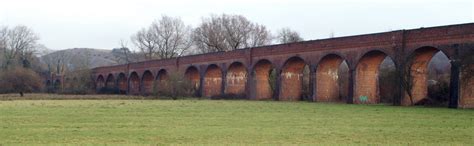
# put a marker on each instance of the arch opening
(161, 85)
(293, 84)
(192, 75)
(122, 83)
(331, 79)
(264, 77)
(236, 80)
(147, 83)
(57, 85)
(388, 82)
(110, 82)
(212, 81)
(100, 82)
(134, 83)
(367, 78)
(429, 76)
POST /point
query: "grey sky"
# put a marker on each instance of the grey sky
(102, 23)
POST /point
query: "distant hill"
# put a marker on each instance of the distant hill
(84, 56)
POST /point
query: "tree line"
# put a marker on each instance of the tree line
(22, 69)
(169, 37)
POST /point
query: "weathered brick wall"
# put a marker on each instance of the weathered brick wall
(192, 74)
(134, 84)
(148, 80)
(327, 79)
(236, 79)
(212, 81)
(366, 80)
(122, 83)
(262, 80)
(419, 73)
(161, 84)
(466, 99)
(292, 80)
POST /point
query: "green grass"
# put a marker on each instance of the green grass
(228, 122)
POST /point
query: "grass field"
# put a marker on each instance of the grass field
(228, 122)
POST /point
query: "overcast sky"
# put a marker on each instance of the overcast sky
(64, 24)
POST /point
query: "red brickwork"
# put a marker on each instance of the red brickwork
(292, 79)
(134, 84)
(212, 81)
(367, 78)
(262, 80)
(236, 79)
(192, 74)
(419, 73)
(327, 79)
(467, 91)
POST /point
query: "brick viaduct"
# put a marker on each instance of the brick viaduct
(246, 71)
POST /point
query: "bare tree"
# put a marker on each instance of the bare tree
(286, 35)
(407, 79)
(17, 45)
(144, 40)
(229, 32)
(123, 55)
(58, 62)
(167, 37)
(172, 36)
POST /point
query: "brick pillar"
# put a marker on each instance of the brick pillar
(201, 83)
(128, 83)
(276, 93)
(224, 81)
(454, 84)
(250, 86)
(312, 82)
(350, 95)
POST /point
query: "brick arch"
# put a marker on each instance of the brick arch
(48, 83)
(292, 79)
(110, 81)
(134, 83)
(212, 83)
(419, 61)
(100, 82)
(147, 82)
(365, 52)
(236, 79)
(327, 78)
(57, 85)
(261, 77)
(192, 75)
(366, 89)
(161, 80)
(122, 83)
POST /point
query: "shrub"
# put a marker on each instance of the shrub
(81, 83)
(20, 80)
(176, 85)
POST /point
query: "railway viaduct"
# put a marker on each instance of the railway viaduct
(247, 71)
